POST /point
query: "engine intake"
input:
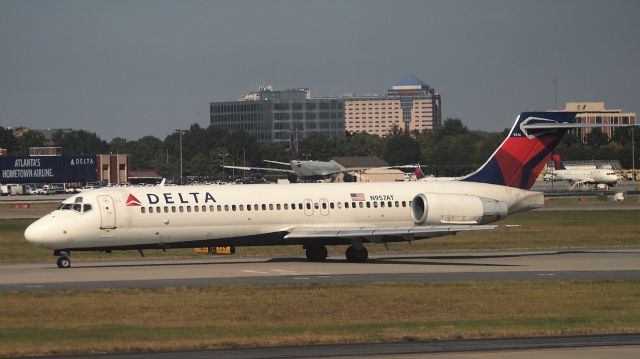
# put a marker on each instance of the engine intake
(437, 208)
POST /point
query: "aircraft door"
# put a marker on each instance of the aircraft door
(308, 207)
(107, 212)
(324, 206)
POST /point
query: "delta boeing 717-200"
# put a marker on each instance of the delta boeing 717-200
(312, 215)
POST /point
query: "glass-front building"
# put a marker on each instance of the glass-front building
(274, 116)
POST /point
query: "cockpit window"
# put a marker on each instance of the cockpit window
(77, 206)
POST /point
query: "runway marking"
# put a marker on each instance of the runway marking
(34, 286)
(301, 278)
(254, 271)
(546, 274)
(284, 271)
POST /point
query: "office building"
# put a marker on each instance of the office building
(409, 105)
(274, 116)
(595, 112)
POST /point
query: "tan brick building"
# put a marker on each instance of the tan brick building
(409, 105)
(595, 112)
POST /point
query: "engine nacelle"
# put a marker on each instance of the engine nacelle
(437, 208)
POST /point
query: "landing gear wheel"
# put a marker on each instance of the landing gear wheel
(64, 262)
(317, 253)
(356, 255)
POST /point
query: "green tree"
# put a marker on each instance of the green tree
(30, 139)
(401, 148)
(80, 142)
(8, 141)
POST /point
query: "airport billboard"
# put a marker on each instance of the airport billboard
(48, 169)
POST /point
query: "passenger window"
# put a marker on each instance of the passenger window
(315, 205)
(308, 205)
(410, 202)
(339, 205)
(375, 204)
(204, 208)
(195, 208)
(219, 208)
(211, 208)
(264, 207)
(397, 204)
(87, 208)
(181, 209)
(360, 204)
(270, 206)
(173, 209)
(226, 208)
(286, 206)
(278, 206)
(256, 207)
(389, 204)
(241, 207)
(158, 209)
(300, 206)
(381, 204)
(248, 207)
(188, 208)
(293, 206)
(166, 209)
(324, 205)
(404, 203)
(142, 210)
(331, 205)
(233, 207)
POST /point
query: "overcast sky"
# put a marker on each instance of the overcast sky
(135, 68)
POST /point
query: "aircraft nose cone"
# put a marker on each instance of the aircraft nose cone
(34, 234)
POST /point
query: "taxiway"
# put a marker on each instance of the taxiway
(586, 265)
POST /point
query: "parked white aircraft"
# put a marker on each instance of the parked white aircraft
(583, 176)
(304, 170)
(312, 215)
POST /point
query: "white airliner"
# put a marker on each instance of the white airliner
(582, 176)
(304, 170)
(312, 215)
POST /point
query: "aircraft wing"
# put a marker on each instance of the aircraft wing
(409, 232)
(259, 169)
(278, 162)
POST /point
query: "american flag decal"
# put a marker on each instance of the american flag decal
(357, 196)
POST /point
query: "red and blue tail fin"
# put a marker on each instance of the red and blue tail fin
(526, 150)
(557, 162)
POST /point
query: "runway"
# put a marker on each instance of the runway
(588, 265)
(578, 347)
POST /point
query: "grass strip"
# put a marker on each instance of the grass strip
(229, 316)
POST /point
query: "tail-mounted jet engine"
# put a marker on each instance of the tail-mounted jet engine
(436, 208)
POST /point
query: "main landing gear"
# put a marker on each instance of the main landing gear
(63, 259)
(317, 253)
(355, 253)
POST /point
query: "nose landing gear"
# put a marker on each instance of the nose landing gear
(63, 259)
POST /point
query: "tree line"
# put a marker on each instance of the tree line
(454, 150)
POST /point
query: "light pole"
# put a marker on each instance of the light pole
(306, 156)
(180, 132)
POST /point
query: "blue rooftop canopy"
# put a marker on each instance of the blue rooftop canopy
(411, 80)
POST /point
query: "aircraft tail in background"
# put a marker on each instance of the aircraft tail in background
(557, 162)
(526, 150)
